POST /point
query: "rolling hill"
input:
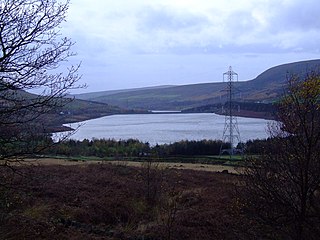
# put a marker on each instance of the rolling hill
(53, 113)
(207, 97)
(266, 87)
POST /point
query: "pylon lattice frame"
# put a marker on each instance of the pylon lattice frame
(231, 131)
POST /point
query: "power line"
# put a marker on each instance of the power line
(231, 133)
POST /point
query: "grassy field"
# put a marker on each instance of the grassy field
(212, 159)
(208, 163)
(164, 165)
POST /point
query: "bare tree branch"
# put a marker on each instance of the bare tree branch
(283, 185)
(33, 56)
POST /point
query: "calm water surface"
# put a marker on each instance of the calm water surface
(167, 128)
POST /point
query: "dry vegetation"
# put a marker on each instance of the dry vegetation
(105, 201)
(189, 166)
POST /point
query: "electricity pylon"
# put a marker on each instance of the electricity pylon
(231, 132)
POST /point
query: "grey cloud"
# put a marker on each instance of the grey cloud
(151, 19)
(240, 22)
(261, 48)
(291, 27)
(228, 48)
(296, 25)
(300, 15)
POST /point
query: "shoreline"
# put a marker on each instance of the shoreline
(251, 114)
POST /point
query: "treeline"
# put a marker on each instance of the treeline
(135, 148)
(191, 148)
(255, 106)
(100, 148)
(258, 146)
(236, 105)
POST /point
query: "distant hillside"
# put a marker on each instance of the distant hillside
(170, 98)
(80, 110)
(70, 110)
(269, 85)
(266, 87)
(94, 95)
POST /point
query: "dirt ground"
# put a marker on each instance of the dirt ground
(189, 166)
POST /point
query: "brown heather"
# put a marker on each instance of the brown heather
(104, 201)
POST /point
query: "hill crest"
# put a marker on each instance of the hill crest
(266, 87)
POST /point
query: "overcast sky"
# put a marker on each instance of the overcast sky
(139, 43)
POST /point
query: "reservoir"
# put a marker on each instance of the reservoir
(167, 128)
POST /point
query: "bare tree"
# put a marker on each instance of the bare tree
(282, 186)
(33, 57)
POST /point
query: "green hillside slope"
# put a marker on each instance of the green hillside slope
(94, 95)
(269, 85)
(169, 98)
(266, 87)
(58, 111)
